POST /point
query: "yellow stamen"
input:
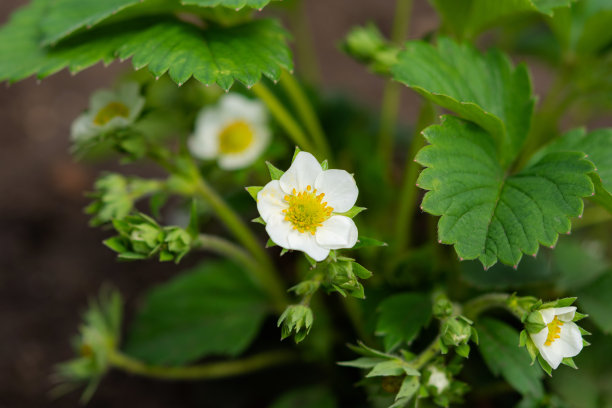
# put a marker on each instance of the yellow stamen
(307, 211)
(554, 331)
(235, 137)
(110, 111)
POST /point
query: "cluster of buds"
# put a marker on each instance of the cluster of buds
(115, 195)
(141, 237)
(455, 330)
(343, 274)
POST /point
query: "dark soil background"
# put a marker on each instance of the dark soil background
(51, 261)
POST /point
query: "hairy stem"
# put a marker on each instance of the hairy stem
(409, 190)
(204, 371)
(392, 91)
(282, 115)
(473, 308)
(426, 355)
(306, 112)
(266, 275)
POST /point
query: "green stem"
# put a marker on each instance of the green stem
(266, 275)
(473, 308)
(282, 115)
(203, 371)
(306, 112)
(426, 355)
(304, 46)
(409, 190)
(392, 91)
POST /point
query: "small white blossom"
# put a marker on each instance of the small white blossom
(108, 110)
(560, 338)
(235, 132)
(300, 209)
(438, 379)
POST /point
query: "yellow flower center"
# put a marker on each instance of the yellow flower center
(307, 211)
(235, 137)
(554, 331)
(110, 111)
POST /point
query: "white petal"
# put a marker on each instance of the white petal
(569, 344)
(551, 356)
(302, 173)
(204, 143)
(339, 187)
(100, 99)
(270, 200)
(565, 314)
(337, 232)
(278, 229)
(305, 241)
(82, 128)
(237, 106)
(539, 338)
(548, 315)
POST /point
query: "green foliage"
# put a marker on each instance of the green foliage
(487, 214)
(213, 309)
(585, 28)
(468, 18)
(98, 336)
(595, 299)
(235, 4)
(164, 44)
(312, 397)
(298, 319)
(401, 317)
(484, 89)
(499, 348)
(141, 237)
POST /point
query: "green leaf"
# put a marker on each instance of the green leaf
(597, 145)
(364, 242)
(235, 4)
(213, 309)
(409, 387)
(352, 212)
(488, 214)
(387, 368)
(401, 317)
(212, 55)
(66, 16)
(470, 17)
(595, 300)
(585, 28)
(500, 350)
(481, 88)
(313, 397)
(362, 362)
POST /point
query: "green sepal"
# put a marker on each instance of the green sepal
(545, 366)
(311, 261)
(270, 244)
(352, 212)
(584, 332)
(364, 242)
(295, 153)
(579, 316)
(568, 361)
(258, 220)
(325, 164)
(361, 272)
(253, 190)
(116, 244)
(534, 322)
(463, 350)
(275, 173)
(284, 251)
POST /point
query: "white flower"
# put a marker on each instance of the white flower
(235, 131)
(108, 110)
(438, 379)
(560, 338)
(300, 209)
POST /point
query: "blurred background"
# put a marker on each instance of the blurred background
(51, 261)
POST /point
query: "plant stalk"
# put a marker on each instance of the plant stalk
(204, 371)
(282, 115)
(306, 112)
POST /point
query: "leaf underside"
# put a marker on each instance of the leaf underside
(211, 310)
(213, 55)
(484, 89)
(470, 17)
(487, 214)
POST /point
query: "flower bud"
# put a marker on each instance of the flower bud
(296, 319)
